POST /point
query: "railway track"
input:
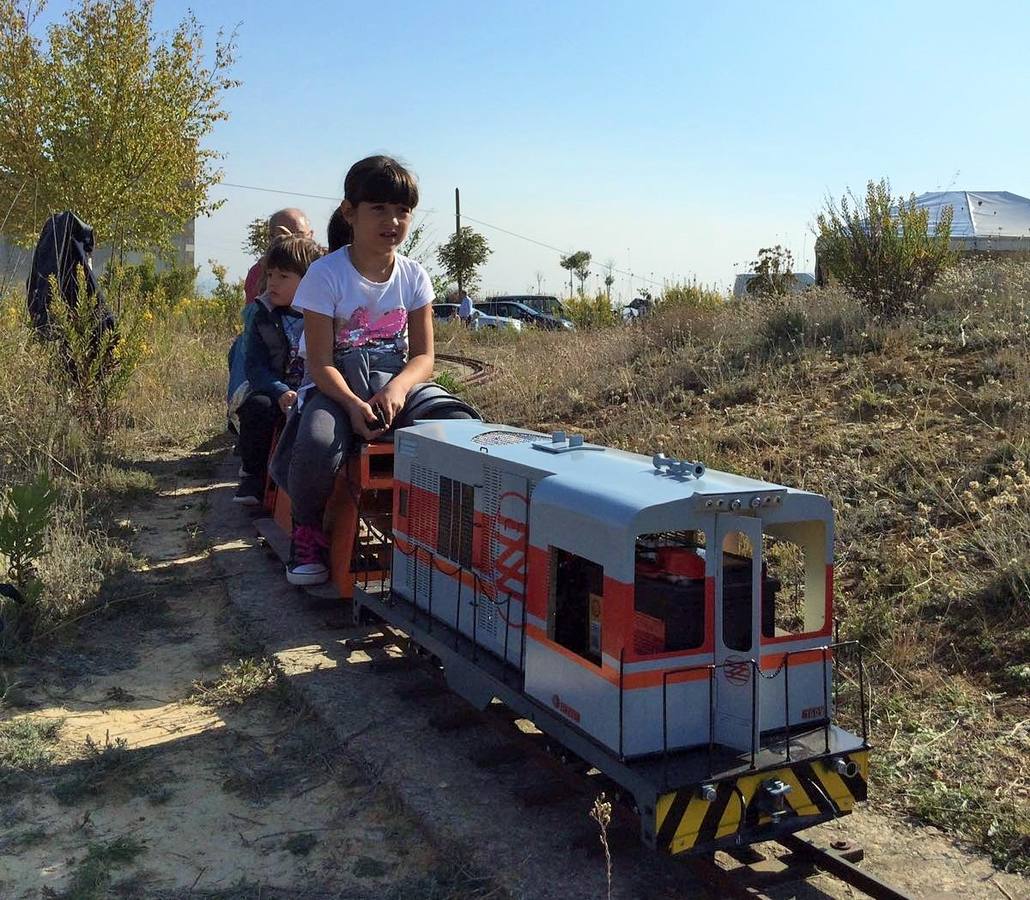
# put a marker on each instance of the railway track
(509, 740)
(481, 371)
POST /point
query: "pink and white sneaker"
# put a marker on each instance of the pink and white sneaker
(308, 552)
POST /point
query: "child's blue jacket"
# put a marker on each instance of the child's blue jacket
(267, 347)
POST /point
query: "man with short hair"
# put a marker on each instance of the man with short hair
(465, 308)
(286, 221)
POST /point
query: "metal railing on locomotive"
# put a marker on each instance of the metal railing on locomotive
(828, 652)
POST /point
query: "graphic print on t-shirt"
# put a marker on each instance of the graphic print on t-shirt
(357, 331)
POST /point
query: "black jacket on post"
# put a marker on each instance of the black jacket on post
(64, 246)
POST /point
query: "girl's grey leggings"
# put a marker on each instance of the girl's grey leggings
(324, 438)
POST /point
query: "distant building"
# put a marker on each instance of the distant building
(15, 262)
(983, 222)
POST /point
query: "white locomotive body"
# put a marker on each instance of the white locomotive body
(671, 623)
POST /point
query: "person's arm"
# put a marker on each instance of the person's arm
(318, 338)
(419, 368)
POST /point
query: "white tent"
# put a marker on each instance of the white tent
(994, 221)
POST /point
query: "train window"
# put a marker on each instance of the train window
(794, 588)
(669, 593)
(737, 591)
(454, 529)
(576, 601)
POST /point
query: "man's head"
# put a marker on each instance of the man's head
(288, 221)
(287, 262)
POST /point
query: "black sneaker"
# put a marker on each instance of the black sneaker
(251, 491)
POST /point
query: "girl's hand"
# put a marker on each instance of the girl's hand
(390, 400)
(363, 420)
(287, 400)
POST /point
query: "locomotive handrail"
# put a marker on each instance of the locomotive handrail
(710, 669)
(825, 650)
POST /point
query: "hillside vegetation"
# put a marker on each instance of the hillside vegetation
(918, 430)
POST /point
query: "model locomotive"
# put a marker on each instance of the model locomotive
(670, 625)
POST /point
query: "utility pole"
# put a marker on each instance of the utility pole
(457, 234)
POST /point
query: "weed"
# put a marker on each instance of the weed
(101, 765)
(602, 815)
(449, 382)
(28, 838)
(240, 681)
(367, 867)
(93, 875)
(301, 844)
(27, 744)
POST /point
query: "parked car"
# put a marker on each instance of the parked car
(542, 303)
(482, 320)
(445, 312)
(515, 310)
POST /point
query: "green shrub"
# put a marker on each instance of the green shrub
(882, 250)
(24, 516)
(591, 312)
(92, 363)
(692, 296)
(164, 288)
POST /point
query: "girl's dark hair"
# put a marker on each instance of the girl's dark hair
(292, 253)
(380, 179)
(339, 233)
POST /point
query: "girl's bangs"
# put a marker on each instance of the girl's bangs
(388, 185)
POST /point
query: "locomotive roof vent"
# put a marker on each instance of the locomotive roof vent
(561, 442)
(499, 438)
(678, 468)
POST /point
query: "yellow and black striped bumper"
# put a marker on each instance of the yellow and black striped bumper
(685, 821)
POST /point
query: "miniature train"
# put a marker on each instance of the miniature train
(670, 625)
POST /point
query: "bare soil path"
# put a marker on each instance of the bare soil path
(151, 793)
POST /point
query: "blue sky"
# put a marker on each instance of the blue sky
(674, 138)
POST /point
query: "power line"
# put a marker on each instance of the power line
(522, 237)
(251, 187)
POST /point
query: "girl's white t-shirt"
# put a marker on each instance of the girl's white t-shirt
(365, 313)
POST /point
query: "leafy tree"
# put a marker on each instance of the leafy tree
(577, 264)
(256, 242)
(107, 119)
(459, 257)
(774, 271)
(609, 278)
(881, 250)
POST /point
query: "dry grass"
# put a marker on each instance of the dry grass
(919, 433)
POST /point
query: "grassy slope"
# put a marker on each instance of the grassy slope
(919, 432)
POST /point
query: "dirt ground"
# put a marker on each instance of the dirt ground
(231, 801)
(261, 798)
